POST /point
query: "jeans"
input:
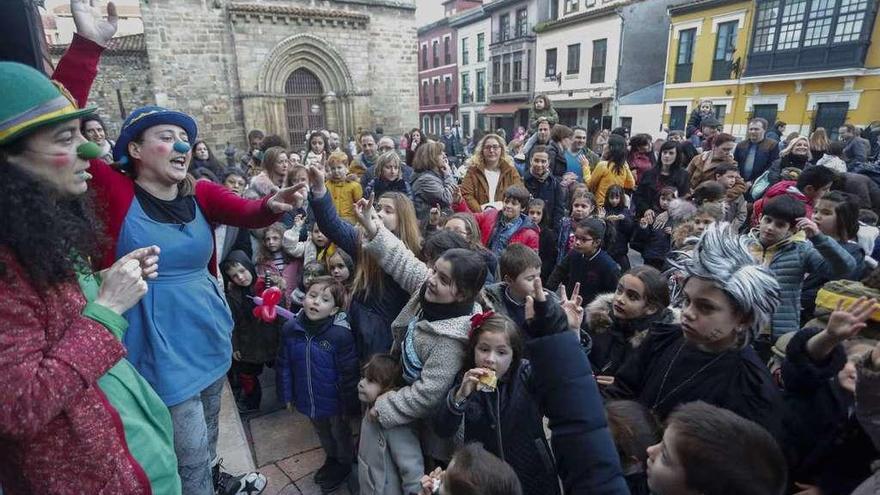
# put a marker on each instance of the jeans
(336, 438)
(195, 423)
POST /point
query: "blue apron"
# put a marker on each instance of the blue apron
(180, 334)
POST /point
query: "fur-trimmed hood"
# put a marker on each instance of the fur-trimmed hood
(600, 320)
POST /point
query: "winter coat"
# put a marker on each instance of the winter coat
(390, 460)
(766, 153)
(556, 159)
(822, 441)
(528, 233)
(620, 243)
(254, 339)
(318, 372)
(304, 249)
(597, 275)
(640, 163)
(563, 241)
(615, 340)
(548, 113)
(695, 121)
(440, 345)
(549, 190)
(864, 188)
(380, 186)
(475, 187)
(519, 419)
(782, 163)
(59, 432)
(790, 260)
(788, 187)
(495, 299)
(430, 189)
(855, 151)
(370, 173)
(345, 194)
(814, 281)
(868, 413)
(647, 195)
(665, 363)
(370, 316)
(604, 177)
(702, 169)
(652, 241)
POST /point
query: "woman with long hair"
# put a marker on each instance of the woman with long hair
(204, 159)
(490, 174)
(275, 165)
(432, 182)
(613, 169)
(640, 157)
(819, 144)
(668, 171)
(376, 299)
(416, 139)
(796, 154)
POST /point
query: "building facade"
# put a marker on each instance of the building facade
(809, 63)
(473, 30)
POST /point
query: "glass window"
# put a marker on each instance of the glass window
(574, 59)
(425, 92)
(849, 24)
(447, 51)
(819, 22)
(571, 6)
(725, 45)
(505, 74)
(504, 27)
(436, 52)
(518, 74)
(447, 89)
(464, 51)
(481, 86)
(550, 70)
(597, 73)
(791, 24)
(436, 91)
(466, 123)
(765, 26)
(424, 56)
(684, 59)
(481, 47)
(522, 22)
(720, 112)
(496, 75)
(465, 88)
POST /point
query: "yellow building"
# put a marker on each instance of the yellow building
(809, 63)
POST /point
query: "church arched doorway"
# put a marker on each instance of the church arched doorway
(305, 110)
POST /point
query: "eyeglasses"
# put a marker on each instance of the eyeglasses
(584, 239)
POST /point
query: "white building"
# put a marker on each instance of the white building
(474, 29)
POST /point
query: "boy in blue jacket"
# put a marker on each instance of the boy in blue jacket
(318, 371)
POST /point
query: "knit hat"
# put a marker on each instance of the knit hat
(29, 100)
(142, 119)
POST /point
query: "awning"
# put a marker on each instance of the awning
(505, 109)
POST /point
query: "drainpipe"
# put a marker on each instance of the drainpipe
(665, 75)
(615, 102)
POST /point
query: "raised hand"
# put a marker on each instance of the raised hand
(89, 23)
(363, 211)
(572, 306)
(808, 226)
(846, 323)
(287, 199)
(538, 295)
(456, 195)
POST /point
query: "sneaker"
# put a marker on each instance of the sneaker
(336, 476)
(321, 474)
(245, 484)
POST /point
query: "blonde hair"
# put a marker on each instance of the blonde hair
(388, 158)
(337, 157)
(478, 152)
(792, 142)
(270, 158)
(369, 276)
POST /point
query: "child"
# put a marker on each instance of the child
(652, 237)
(544, 185)
(791, 258)
(810, 186)
(465, 225)
(583, 205)
(254, 342)
(389, 460)
(620, 217)
(298, 242)
(389, 177)
(274, 266)
(713, 451)
(472, 470)
(341, 268)
(612, 170)
(510, 226)
(587, 264)
(837, 216)
(345, 193)
(546, 239)
(316, 149)
(311, 271)
(694, 127)
(736, 209)
(634, 429)
(620, 321)
(833, 158)
(542, 107)
(318, 370)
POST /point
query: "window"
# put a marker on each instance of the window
(425, 96)
(426, 123)
(447, 120)
(677, 118)
(518, 74)
(819, 23)
(626, 122)
(466, 123)
(505, 74)
(766, 112)
(765, 26)
(436, 52)
(465, 56)
(550, 70)
(522, 22)
(830, 116)
(720, 112)
(481, 47)
(481, 122)
(504, 27)
(424, 57)
(436, 91)
(597, 73)
(447, 51)
(481, 86)
(849, 24)
(447, 89)
(684, 60)
(465, 88)
(725, 45)
(437, 129)
(496, 75)
(791, 24)
(572, 6)
(574, 59)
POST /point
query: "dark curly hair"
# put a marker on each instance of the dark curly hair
(52, 237)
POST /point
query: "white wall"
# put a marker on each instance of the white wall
(470, 32)
(645, 118)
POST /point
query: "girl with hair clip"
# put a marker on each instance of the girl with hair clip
(727, 297)
(317, 151)
(376, 298)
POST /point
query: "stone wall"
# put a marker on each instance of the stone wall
(122, 78)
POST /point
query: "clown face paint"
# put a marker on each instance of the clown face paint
(159, 157)
(50, 155)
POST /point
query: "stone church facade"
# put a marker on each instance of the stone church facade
(283, 66)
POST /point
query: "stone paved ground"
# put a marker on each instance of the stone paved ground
(285, 446)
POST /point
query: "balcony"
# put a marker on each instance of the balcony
(520, 31)
(511, 88)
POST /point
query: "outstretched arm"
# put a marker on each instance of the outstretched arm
(78, 67)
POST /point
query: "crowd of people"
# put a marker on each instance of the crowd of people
(694, 314)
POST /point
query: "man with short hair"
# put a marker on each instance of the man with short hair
(452, 144)
(333, 141)
(709, 127)
(385, 145)
(855, 149)
(580, 149)
(367, 157)
(255, 141)
(542, 137)
(755, 154)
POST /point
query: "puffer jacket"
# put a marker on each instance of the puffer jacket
(440, 345)
(790, 260)
(430, 189)
(318, 372)
(528, 234)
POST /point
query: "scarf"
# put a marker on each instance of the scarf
(442, 311)
(502, 233)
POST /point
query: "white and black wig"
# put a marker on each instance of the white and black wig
(724, 260)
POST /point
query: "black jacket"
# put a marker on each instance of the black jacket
(551, 192)
(647, 195)
(556, 159)
(597, 276)
(256, 340)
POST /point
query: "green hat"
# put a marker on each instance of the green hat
(28, 100)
